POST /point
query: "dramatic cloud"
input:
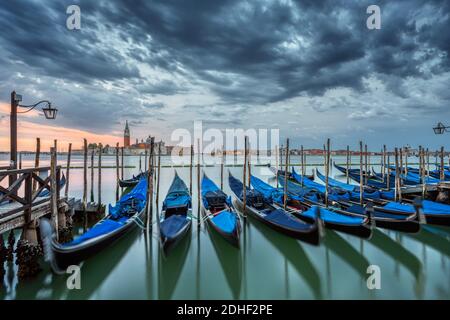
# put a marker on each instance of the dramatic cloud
(311, 68)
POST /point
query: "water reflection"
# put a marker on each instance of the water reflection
(230, 260)
(171, 266)
(397, 252)
(433, 237)
(268, 265)
(293, 252)
(94, 271)
(345, 251)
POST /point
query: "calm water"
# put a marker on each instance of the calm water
(268, 266)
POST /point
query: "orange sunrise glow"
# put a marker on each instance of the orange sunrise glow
(29, 131)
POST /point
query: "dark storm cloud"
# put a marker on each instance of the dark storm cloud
(244, 44)
(35, 33)
(242, 54)
(237, 46)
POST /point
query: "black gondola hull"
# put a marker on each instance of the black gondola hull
(441, 220)
(167, 244)
(66, 256)
(363, 231)
(232, 238)
(412, 226)
(311, 236)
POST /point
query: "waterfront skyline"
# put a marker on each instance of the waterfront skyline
(312, 70)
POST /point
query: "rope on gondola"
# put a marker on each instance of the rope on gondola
(139, 223)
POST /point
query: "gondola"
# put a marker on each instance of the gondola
(368, 193)
(372, 181)
(332, 219)
(176, 215)
(122, 218)
(126, 183)
(384, 217)
(434, 212)
(276, 218)
(218, 211)
(308, 184)
(350, 170)
(409, 178)
(431, 173)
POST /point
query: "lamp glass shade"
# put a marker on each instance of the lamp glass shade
(50, 113)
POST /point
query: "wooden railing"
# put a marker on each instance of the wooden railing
(22, 193)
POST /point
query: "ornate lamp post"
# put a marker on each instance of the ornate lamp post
(49, 113)
(440, 128)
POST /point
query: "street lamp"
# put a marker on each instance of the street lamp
(440, 128)
(49, 113)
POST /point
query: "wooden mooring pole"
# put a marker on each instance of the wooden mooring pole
(149, 202)
(244, 172)
(406, 160)
(198, 184)
(423, 171)
(347, 165)
(69, 155)
(441, 170)
(388, 170)
(85, 176)
(400, 167)
(221, 167)
(361, 180)
(398, 194)
(53, 196)
(421, 168)
(327, 171)
(117, 171)
(122, 165)
(366, 168)
(159, 176)
(276, 164)
(99, 191)
(302, 158)
(190, 169)
(92, 174)
(249, 157)
(286, 175)
(304, 166)
(36, 159)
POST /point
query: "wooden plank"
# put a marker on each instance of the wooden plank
(18, 220)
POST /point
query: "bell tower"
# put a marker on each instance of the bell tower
(126, 136)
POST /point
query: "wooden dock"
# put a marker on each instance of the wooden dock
(12, 216)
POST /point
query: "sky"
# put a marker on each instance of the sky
(311, 69)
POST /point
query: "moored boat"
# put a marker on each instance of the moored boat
(123, 217)
(303, 208)
(218, 211)
(276, 218)
(176, 215)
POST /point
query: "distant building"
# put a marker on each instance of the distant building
(140, 147)
(126, 136)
